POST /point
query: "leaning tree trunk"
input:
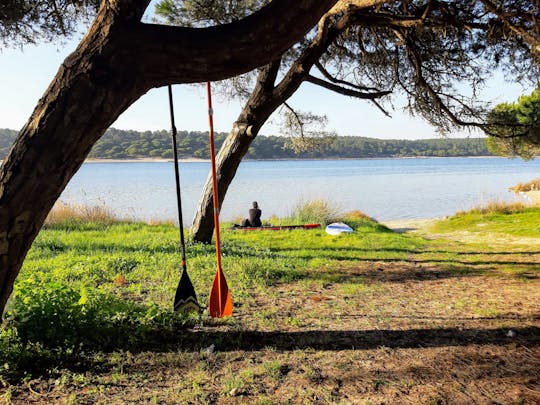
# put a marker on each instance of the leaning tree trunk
(119, 60)
(261, 104)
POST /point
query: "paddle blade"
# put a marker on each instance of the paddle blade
(185, 299)
(220, 304)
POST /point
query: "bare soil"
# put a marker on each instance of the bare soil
(407, 332)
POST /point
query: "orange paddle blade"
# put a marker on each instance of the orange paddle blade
(220, 304)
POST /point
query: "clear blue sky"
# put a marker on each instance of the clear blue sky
(26, 73)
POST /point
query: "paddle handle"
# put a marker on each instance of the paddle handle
(214, 179)
(177, 179)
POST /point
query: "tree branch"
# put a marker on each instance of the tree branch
(333, 79)
(296, 118)
(530, 39)
(180, 54)
(344, 91)
(416, 60)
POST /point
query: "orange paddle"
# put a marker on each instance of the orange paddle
(220, 303)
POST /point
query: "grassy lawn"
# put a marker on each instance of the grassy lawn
(446, 314)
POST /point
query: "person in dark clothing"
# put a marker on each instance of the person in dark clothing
(254, 219)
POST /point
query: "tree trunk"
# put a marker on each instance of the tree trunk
(261, 104)
(118, 61)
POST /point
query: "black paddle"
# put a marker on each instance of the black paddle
(185, 299)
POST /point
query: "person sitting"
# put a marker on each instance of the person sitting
(254, 219)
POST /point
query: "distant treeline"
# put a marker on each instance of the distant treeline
(119, 144)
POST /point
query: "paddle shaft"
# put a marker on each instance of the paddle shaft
(177, 178)
(214, 183)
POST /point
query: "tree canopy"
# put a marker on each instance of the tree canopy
(31, 21)
(514, 128)
(438, 54)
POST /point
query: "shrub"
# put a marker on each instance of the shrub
(59, 317)
(533, 185)
(315, 211)
(495, 207)
(356, 219)
(63, 214)
(19, 359)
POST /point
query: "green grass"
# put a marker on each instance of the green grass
(523, 222)
(89, 287)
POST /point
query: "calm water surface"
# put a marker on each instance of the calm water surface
(385, 189)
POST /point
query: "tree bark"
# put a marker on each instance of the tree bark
(119, 60)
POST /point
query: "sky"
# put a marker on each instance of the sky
(26, 73)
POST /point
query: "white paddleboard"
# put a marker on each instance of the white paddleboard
(338, 227)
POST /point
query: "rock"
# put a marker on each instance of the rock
(210, 349)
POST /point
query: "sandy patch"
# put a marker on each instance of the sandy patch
(409, 225)
(532, 196)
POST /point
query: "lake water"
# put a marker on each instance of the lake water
(386, 189)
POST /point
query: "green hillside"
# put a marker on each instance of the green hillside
(120, 144)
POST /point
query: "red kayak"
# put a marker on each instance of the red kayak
(275, 228)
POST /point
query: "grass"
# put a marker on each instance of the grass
(63, 213)
(315, 316)
(314, 211)
(516, 220)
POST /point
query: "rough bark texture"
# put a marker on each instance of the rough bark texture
(118, 61)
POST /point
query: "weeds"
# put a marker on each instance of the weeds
(65, 214)
(496, 207)
(314, 211)
(533, 185)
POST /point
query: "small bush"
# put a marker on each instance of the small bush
(495, 207)
(19, 359)
(533, 185)
(59, 317)
(63, 213)
(315, 211)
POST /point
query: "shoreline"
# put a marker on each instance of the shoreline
(201, 160)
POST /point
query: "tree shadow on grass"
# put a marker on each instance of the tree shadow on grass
(356, 339)
(380, 271)
(114, 338)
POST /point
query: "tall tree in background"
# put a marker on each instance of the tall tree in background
(514, 128)
(427, 51)
(118, 60)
